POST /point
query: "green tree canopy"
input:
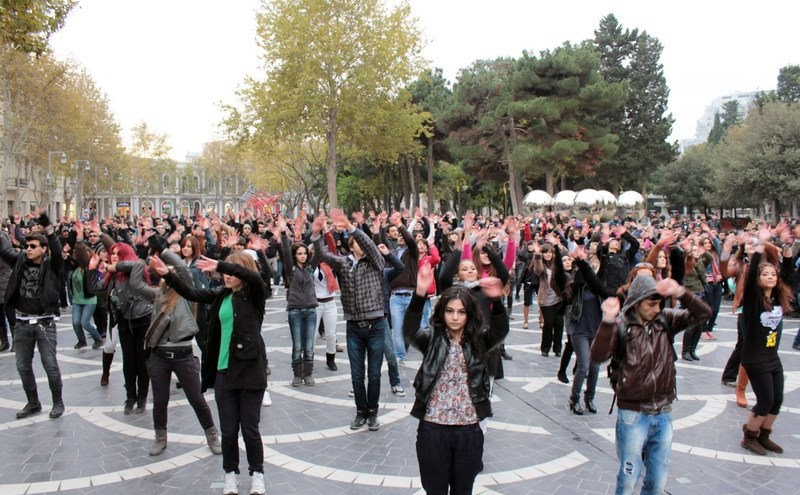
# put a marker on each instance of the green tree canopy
(26, 25)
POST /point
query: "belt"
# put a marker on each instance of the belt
(402, 293)
(324, 299)
(177, 352)
(364, 323)
(34, 319)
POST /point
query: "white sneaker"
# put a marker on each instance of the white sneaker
(398, 391)
(231, 484)
(351, 393)
(267, 400)
(257, 485)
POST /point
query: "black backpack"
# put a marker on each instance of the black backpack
(616, 271)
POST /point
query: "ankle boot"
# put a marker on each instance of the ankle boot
(750, 442)
(212, 439)
(575, 407)
(32, 407)
(297, 368)
(589, 403)
(107, 359)
(687, 356)
(160, 443)
(308, 370)
(330, 360)
(4, 345)
(58, 405)
(763, 439)
(741, 386)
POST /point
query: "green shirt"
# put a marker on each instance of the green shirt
(78, 297)
(226, 324)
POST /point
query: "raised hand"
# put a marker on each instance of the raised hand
(579, 253)
(94, 262)
(424, 279)
(610, 308)
(206, 264)
(669, 288)
(492, 287)
(157, 265)
(383, 249)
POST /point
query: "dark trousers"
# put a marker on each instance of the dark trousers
(366, 343)
(42, 336)
(101, 320)
(553, 330)
(134, 357)
(567, 355)
(731, 371)
(691, 336)
(187, 369)
(768, 388)
(449, 456)
(239, 409)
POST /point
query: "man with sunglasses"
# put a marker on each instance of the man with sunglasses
(33, 291)
(641, 338)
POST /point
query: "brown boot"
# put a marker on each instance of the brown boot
(741, 386)
(750, 442)
(763, 439)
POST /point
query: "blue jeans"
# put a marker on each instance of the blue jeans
(397, 310)
(426, 314)
(643, 440)
(82, 320)
(586, 370)
(391, 360)
(43, 336)
(366, 342)
(714, 299)
(302, 323)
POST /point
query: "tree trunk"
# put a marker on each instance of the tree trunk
(413, 200)
(513, 189)
(430, 173)
(548, 182)
(330, 161)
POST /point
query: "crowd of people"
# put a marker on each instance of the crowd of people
(187, 295)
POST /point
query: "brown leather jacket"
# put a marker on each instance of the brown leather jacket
(647, 374)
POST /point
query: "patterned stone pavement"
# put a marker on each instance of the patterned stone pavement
(533, 444)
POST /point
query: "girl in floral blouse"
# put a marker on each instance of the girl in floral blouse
(452, 384)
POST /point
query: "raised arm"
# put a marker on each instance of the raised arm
(138, 285)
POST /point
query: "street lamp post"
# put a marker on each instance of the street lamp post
(49, 181)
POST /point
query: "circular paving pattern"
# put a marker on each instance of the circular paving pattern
(533, 444)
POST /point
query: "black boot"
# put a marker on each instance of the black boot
(687, 356)
(308, 371)
(297, 369)
(575, 407)
(32, 407)
(330, 360)
(58, 405)
(4, 345)
(590, 405)
(108, 358)
(504, 354)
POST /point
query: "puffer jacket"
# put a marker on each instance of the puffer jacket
(182, 325)
(647, 372)
(434, 345)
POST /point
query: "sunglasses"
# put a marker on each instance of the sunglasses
(32, 246)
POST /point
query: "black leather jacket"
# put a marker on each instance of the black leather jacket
(434, 344)
(49, 276)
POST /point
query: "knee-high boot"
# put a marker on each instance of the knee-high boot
(108, 357)
(741, 386)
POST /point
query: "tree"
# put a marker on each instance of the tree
(333, 71)
(558, 97)
(688, 181)
(26, 25)
(788, 89)
(632, 58)
(731, 116)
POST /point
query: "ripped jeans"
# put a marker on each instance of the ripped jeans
(643, 441)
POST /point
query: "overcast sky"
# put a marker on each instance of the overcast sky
(170, 62)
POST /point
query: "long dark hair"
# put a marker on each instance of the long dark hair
(475, 324)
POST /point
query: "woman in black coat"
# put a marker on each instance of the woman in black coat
(235, 363)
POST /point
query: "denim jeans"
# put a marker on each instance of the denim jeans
(714, 299)
(82, 320)
(43, 336)
(586, 370)
(302, 323)
(391, 360)
(426, 315)
(643, 440)
(239, 409)
(366, 342)
(278, 272)
(397, 310)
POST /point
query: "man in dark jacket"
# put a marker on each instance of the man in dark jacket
(33, 291)
(646, 385)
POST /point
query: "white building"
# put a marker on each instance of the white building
(706, 122)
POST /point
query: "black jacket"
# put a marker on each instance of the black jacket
(434, 344)
(49, 276)
(247, 364)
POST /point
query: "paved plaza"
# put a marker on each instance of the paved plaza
(533, 444)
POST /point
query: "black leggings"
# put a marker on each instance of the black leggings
(553, 329)
(768, 388)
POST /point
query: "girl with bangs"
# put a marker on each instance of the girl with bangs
(235, 364)
(547, 264)
(453, 383)
(191, 250)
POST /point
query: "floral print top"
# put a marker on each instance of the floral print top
(450, 402)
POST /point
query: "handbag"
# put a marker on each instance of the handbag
(158, 325)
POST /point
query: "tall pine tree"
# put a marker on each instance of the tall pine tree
(643, 124)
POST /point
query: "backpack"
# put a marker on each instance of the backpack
(616, 271)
